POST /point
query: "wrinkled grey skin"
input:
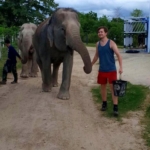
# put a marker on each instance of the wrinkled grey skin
(55, 41)
(29, 64)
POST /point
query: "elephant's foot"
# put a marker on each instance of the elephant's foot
(63, 95)
(46, 88)
(24, 75)
(55, 84)
(33, 74)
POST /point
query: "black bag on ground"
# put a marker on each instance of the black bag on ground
(119, 87)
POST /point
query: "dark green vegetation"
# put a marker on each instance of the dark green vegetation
(17, 12)
(90, 23)
(94, 45)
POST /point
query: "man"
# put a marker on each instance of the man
(10, 65)
(105, 49)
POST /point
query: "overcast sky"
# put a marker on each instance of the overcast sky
(107, 7)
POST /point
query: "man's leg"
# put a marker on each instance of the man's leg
(113, 76)
(102, 80)
(114, 98)
(104, 96)
(115, 101)
(14, 71)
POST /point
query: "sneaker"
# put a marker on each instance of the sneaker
(104, 107)
(3, 82)
(14, 82)
(116, 113)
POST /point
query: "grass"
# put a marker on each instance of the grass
(94, 44)
(91, 44)
(132, 101)
(147, 126)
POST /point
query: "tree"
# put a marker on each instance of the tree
(137, 13)
(88, 23)
(117, 13)
(117, 20)
(17, 12)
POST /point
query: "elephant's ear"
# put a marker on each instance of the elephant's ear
(34, 27)
(50, 31)
(21, 28)
(20, 37)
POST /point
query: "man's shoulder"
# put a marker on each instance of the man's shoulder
(112, 43)
(97, 43)
(11, 47)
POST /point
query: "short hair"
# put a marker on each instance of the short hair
(6, 41)
(103, 27)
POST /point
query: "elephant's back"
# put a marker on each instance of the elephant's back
(42, 26)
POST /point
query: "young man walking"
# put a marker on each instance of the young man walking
(105, 49)
(10, 65)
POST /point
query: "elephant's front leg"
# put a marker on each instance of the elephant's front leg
(67, 70)
(46, 75)
(24, 71)
(55, 74)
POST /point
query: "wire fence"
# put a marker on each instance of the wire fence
(13, 40)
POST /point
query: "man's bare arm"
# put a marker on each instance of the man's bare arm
(116, 51)
(96, 55)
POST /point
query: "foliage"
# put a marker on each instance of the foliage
(90, 23)
(9, 31)
(137, 13)
(17, 12)
(132, 101)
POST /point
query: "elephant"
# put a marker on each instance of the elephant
(55, 41)
(29, 64)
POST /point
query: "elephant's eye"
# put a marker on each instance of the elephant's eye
(63, 30)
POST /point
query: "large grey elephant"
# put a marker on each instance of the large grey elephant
(55, 41)
(29, 64)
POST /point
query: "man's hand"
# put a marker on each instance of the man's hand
(20, 59)
(120, 70)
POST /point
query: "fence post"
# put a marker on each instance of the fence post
(3, 40)
(0, 50)
(0, 47)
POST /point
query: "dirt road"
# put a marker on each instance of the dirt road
(33, 120)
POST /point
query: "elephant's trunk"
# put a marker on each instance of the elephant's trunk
(27, 44)
(75, 42)
(24, 57)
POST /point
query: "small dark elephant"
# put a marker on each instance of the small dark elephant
(55, 41)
